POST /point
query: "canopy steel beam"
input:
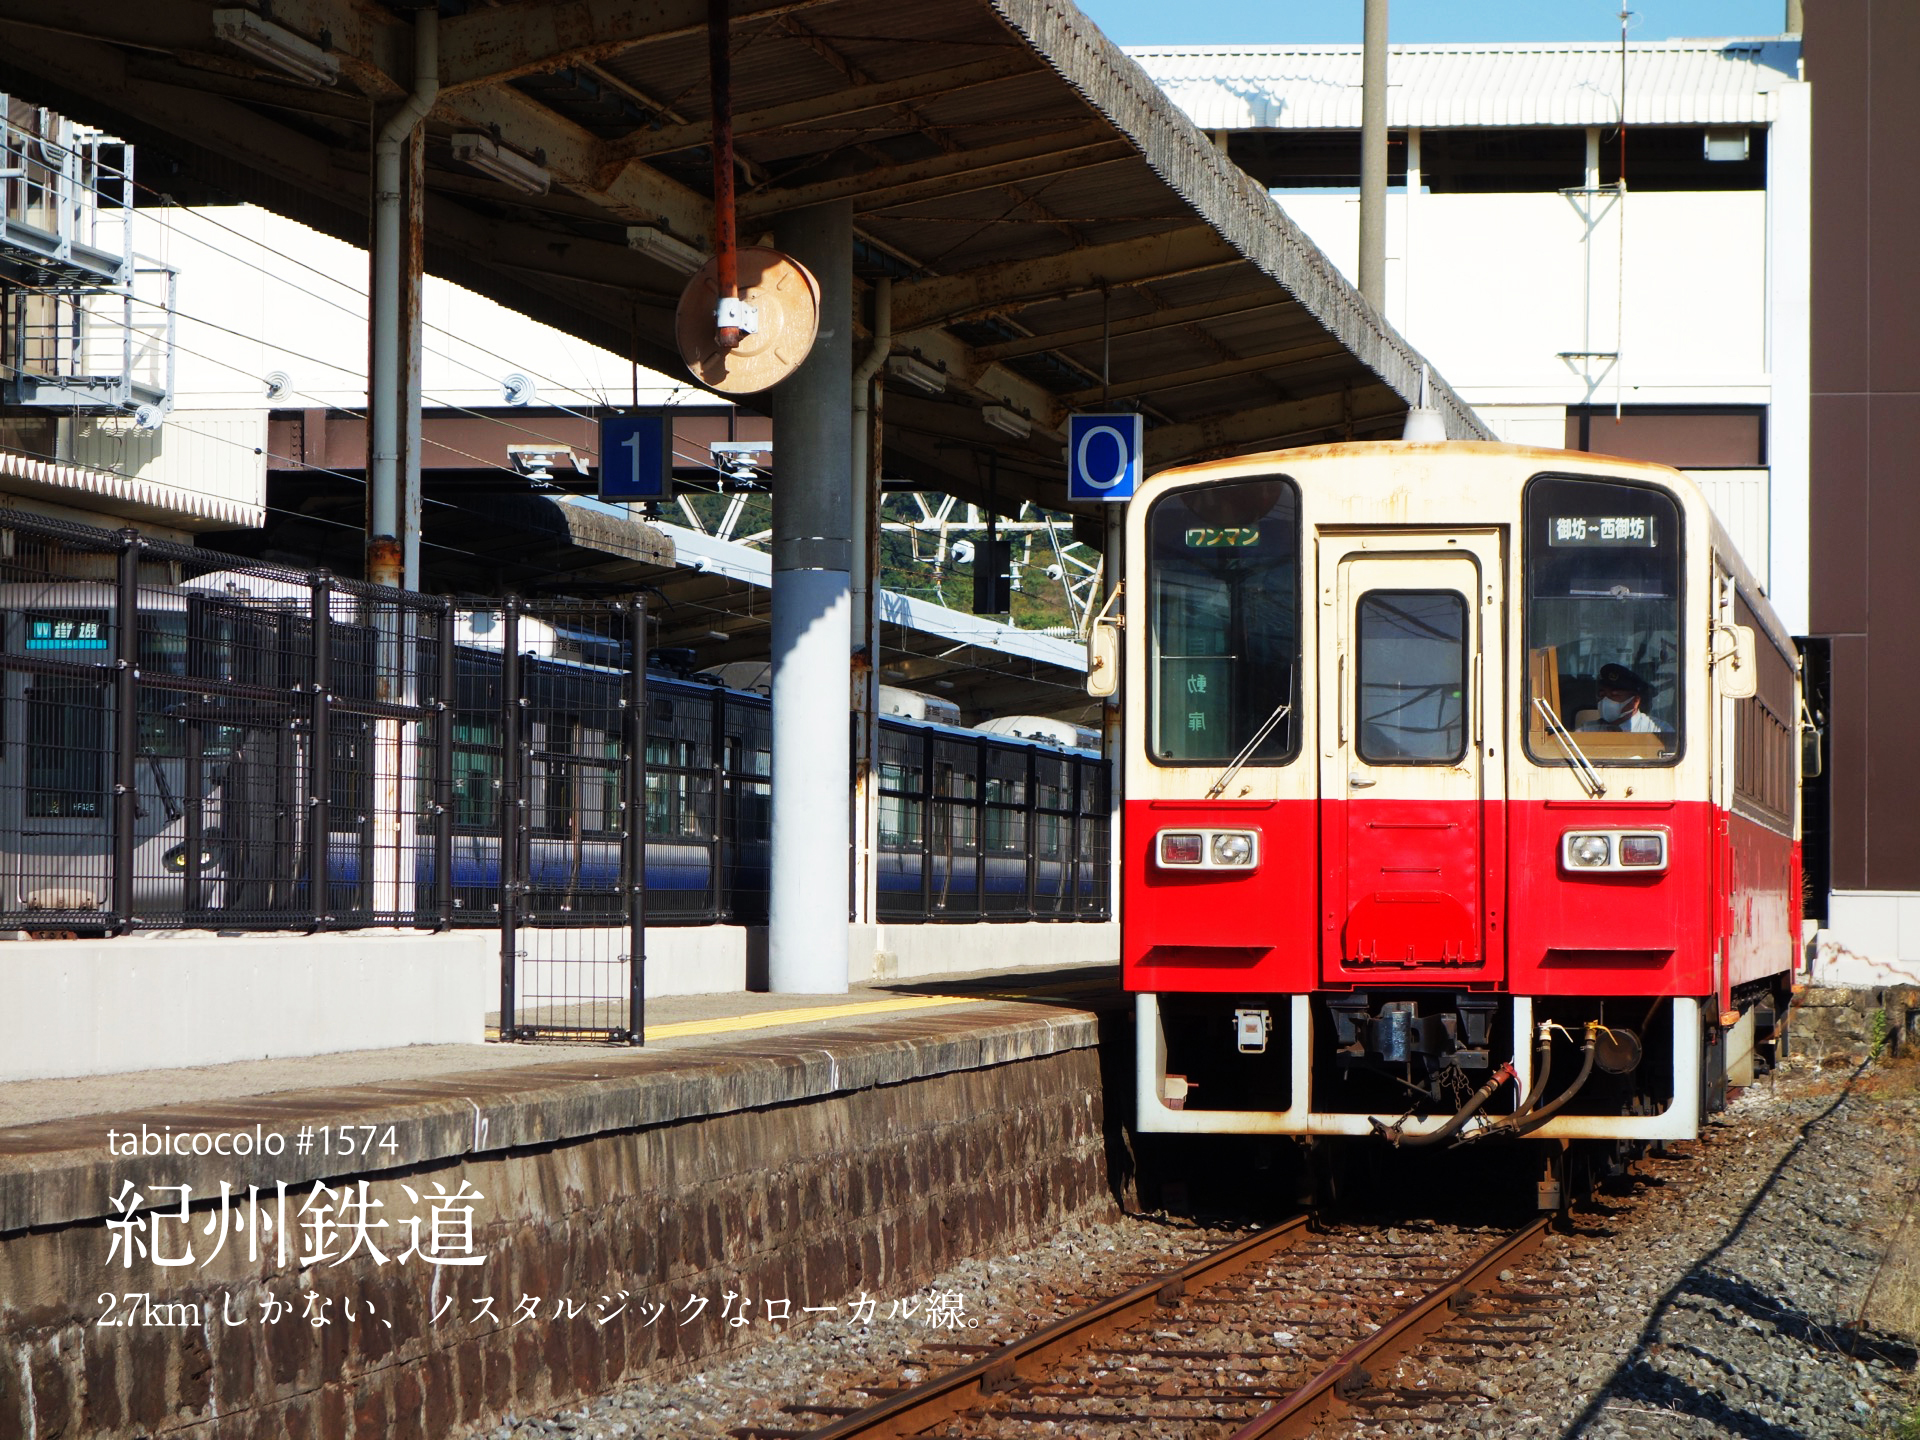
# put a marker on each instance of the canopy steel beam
(487, 46)
(637, 193)
(1274, 426)
(949, 299)
(840, 104)
(1271, 363)
(952, 174)
(1166, 318)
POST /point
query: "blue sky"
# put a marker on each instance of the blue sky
(1337, 22)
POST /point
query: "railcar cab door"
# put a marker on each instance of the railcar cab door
(1411, 775)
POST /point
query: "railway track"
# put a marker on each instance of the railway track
(1270, 1336)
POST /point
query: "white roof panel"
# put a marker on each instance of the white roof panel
(1317, 87)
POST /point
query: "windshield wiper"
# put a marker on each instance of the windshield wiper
(1582, 766)
(1284, 709)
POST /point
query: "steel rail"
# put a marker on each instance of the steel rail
(928, 1403)
(1327, 1393)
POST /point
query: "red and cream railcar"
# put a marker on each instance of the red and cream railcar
(1461, 797)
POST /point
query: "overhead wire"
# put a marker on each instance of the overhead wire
(202, 217)
(479, 460)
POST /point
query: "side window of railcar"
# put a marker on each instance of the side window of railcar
(1223, 601)
(1603, 595)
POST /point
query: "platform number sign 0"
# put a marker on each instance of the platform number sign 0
(635, 457)
(1104, 454)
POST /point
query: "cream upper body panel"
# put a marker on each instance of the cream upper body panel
(1424, 498)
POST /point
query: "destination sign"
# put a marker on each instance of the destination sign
(1635, 531)
(1215, 537)
(65, 634)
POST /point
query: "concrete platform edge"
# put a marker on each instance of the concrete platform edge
(61, 1172)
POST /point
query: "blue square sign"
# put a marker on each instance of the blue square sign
(1104, 456)
(636, 462)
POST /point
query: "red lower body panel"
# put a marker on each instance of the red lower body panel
(1297, 923)
(1220, 930)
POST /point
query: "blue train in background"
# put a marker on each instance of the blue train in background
(237, 765)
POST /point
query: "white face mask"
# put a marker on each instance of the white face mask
(1613, 711)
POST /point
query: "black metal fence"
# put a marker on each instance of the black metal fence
(257, 749)
(980, 827)
(263, 748)
(570, 693)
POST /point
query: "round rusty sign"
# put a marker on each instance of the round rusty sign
(787, 298)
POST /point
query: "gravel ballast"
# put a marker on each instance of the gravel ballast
(1716, 1295)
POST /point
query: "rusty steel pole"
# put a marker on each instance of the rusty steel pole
(1373, 157)
(726, 259)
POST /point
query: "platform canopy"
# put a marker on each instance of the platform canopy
(1041, 206)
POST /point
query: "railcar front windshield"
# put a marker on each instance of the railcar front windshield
(1604, 651)
(1223, 606)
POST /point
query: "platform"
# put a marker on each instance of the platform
(705, 1055)
(812, 1148)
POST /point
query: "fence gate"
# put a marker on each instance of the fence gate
(572, 702)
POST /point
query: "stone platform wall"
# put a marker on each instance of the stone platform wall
(808, 1173)
(1838, 1024)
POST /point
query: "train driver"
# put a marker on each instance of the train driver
(1622, 695)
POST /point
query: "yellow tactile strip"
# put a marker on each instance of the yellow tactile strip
(774, 1019)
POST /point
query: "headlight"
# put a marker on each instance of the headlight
(1233, 847)
(1614, 850)
(176, 859)
(1207, 849)
(1588, 852)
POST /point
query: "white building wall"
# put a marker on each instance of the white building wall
(1495, 289)
(1789, 346)
(259, 293)
(1504, 292)
(211, 461)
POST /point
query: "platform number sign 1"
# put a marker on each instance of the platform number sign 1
(1104, 456)
(636, 462)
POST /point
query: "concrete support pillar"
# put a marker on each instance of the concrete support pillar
(813, 624)
(1373, 158)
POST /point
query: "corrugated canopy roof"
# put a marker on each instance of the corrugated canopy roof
(1317, 87)
(1024, 182)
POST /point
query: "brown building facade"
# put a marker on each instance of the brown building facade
(1861, 57)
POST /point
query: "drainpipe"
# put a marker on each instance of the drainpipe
(384, 559)
(865, 669)
(866, 461)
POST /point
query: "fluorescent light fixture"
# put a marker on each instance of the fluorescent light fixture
(917, 373)
(1007, 422)
(276, 46)
(669, 250)
(512, 170)
(1727, 144)
(536, 462)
